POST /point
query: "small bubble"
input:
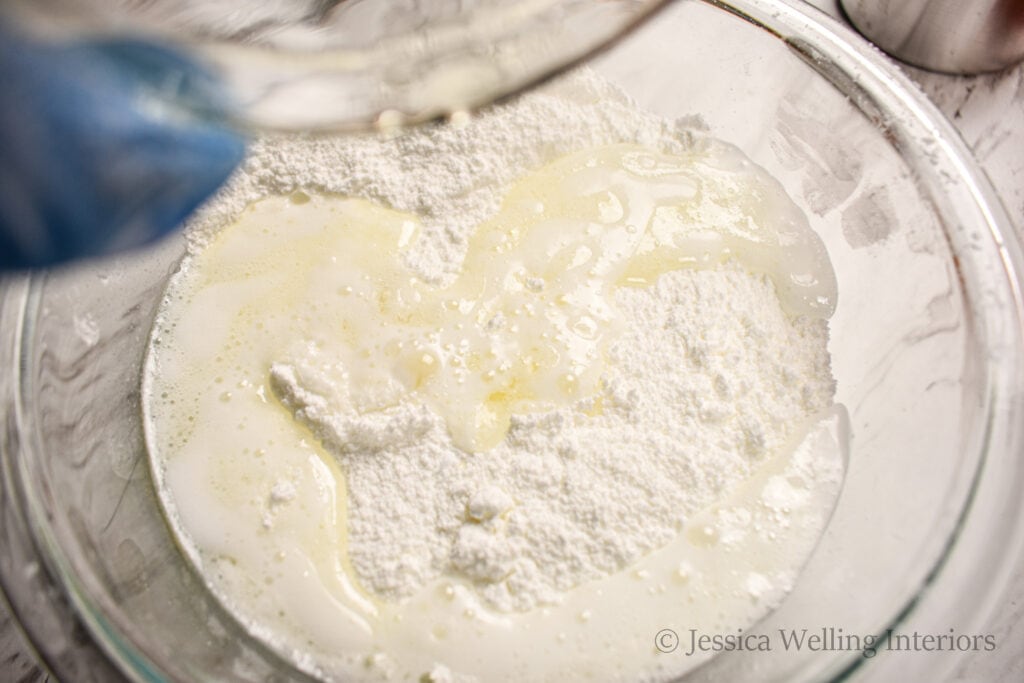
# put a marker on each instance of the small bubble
(704, 535)
(459, 118)
(389, 121)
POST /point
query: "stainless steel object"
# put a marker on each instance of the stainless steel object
(952, 36)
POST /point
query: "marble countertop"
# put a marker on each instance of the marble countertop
(988, 111)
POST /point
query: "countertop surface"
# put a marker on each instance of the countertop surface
(988, 111)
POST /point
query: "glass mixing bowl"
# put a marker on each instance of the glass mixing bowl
(926, 348)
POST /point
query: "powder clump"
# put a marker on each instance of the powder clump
(708, 380)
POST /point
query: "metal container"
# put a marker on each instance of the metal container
(952, 36)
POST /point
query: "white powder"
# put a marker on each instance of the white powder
(453, 177)
(709, 379)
